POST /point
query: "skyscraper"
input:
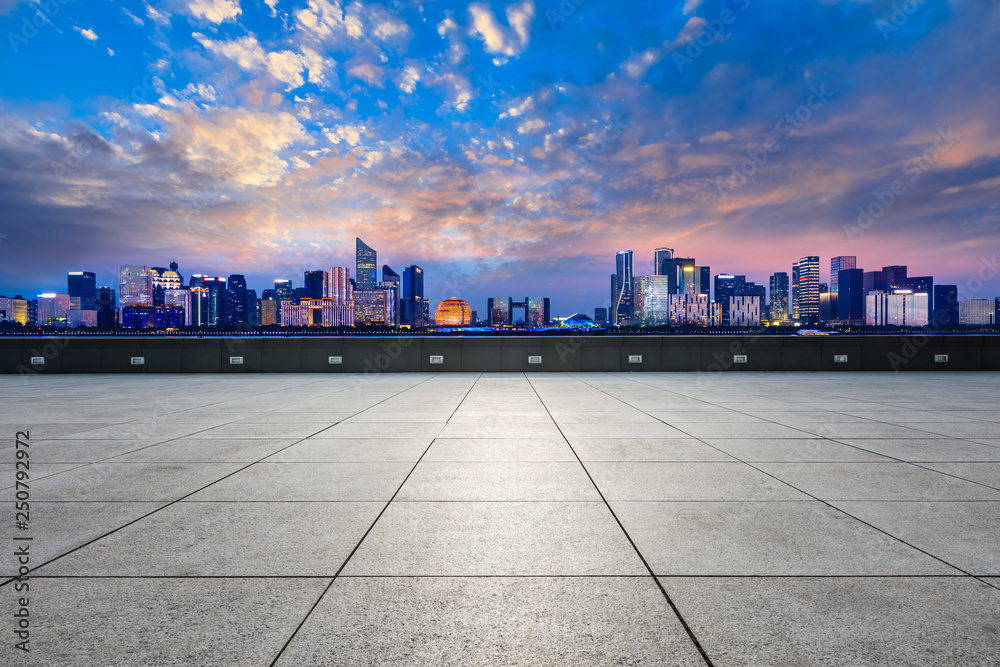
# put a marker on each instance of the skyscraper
(875, 281)
(894, 274)
(500, 311)
(392, 283)
(726, 287)
(779, 297)
(651, 300)
(413, 296)
(805, 289)
(216, 307)
(945, 305)
(367, 267)
(314, 283)
(916, 285)
(675, 269)
(107, 307)
(622, 302)
(338, 285)
(703, 280)
(180, 298)
(536, 311)
(82, 289)
(659, 255)
(838, 264)
(283, 291)
(135, 286)
(236, 301)
(851, 294)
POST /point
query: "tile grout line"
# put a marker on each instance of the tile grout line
(663, 590)
(178, 500)
(816, 498)
(357, 546)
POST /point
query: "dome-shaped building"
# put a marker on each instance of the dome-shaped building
(579, 321)
(453, 313)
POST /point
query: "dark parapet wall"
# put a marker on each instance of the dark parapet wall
(402, 354)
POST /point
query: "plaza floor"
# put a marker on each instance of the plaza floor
(504, 519)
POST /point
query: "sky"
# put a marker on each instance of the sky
(508, 148)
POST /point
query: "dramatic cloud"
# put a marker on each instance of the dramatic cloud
(500, 155)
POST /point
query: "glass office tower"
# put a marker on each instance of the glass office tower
(838, 264)
(805, 290)
(779, 297)
(367, 268)
(622, 301)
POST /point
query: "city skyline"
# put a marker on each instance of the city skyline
(497, 144)
(677, 292)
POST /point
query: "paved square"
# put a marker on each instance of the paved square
(505, 519)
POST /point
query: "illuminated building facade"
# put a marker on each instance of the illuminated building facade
(214, 314)
(325, 312)
(371, 307)
(235, 309)
(536, 311)
(81, 318)
(779, 297)
(164, 280)
(283, 291)
(651, 301)
(149, 317)
(692, 309)
(135, 286)
(198, 316)
(337, 285)
(180, 298)
(500, 311)
(805, 290)
(675, 269)
(838, 264)
(977, 311)
(900, 309)
(13, 309)
(621, 292)
(82, 289)
(367, 267)
(52, 309)
(268, 312)
(744, 311)
(453, 313)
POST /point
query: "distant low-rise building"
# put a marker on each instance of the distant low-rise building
(901, 309)
(325, 312)
(977, 312)
(52, 309)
